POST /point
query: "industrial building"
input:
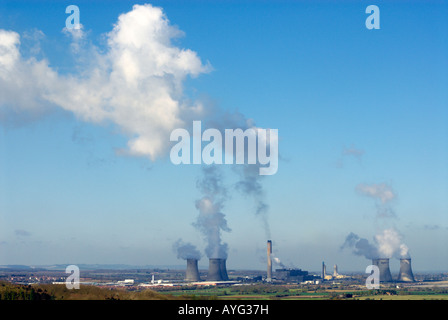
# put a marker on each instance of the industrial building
(293, 275)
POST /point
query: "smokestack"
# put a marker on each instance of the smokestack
(405, 274)
(192, 273)
(383, 265)
(269, 275)
(216, 270)
(323, 270)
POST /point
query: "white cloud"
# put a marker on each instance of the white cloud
(137, 84)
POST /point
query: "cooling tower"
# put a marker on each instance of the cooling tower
(223, 269)
(269, 275)
(217, 270)
(405, 274)
(383, 265)
(192, 273)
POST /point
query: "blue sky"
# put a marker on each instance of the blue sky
(310, 69)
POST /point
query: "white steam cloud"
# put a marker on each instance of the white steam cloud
(136, 84)
(211, 220)
(386, 244)
(186, 250)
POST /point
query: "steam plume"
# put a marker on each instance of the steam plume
(186, 250)
(211, 221)
(360, 246)
(383, 195)
(250, 185)
(386, 244)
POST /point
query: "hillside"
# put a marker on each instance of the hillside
(10, 291)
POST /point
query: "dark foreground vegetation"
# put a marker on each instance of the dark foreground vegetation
(10, 291)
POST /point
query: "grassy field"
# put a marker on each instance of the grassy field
(407, 297)
(269, 293)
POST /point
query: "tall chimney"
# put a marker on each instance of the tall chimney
(383, 265)
(405, 274)
(215, 270)
(192, 273)
(269, 275)
(323, 271)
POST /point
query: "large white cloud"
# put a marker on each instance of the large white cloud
(136, 84)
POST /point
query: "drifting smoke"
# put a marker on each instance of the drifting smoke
(186, 250)
(381, 192)
(277, 261)
(353, 151)
(383, 196)
(211, 221)
(386, 244)
(250, 185)
(250, 181)
(360, 246)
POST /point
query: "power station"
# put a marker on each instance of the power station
(217, 271)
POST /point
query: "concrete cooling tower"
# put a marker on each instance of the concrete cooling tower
(192, 273)
(405, 274)
(223, 268)
(217, 270)
(383, 265)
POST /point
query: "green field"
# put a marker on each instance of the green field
(407, 297)
(262, 292)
